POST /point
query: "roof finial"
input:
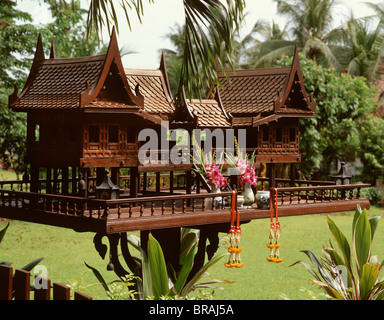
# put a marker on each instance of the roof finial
(52, 54)
(163, 69)
(39, 53)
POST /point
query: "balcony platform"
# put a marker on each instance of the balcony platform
(162, 212)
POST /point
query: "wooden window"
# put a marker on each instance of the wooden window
(131, 135)
(113, 134)
(94, 134)
(279, 134)
(266, 134)
(292, 134)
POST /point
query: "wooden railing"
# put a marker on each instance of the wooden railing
(314, 194)
(159, 182)
(18, 286)
(103, 209)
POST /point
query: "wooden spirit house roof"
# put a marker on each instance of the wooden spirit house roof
(254, 97)
(154, 86)
(90, 84)
(201, 113)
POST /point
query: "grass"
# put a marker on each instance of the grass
(65, 252)
(6, 175)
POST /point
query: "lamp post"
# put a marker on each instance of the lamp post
(343, 177)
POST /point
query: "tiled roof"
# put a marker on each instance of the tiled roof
(208, 113)
(152, 86)
(58, 83)
(252, 91)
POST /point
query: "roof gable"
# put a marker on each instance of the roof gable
(252, 91)
(202, 113)
(294, 98)
(266, 91)
(154, 86)
(72, 83)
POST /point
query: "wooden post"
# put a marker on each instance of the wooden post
(65, 181)
(133, 182)
(145, 182)
(48, 184)
(74, 181)
(272, 175)
(61, 292)
(171, 181)
(34, 179)
(43, 292)
(55, 180)
(188, 181)
(6, 281)
(292, 174)
(158, 182)
(82, 296)
(22, 285)
(115, 176)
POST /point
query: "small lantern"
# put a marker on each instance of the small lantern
(107, 189)
(343, 177)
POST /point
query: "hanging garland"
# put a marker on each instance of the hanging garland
(234, 237)
(274, 230)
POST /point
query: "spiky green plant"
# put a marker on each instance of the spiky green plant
(351, 272)
(157, 281)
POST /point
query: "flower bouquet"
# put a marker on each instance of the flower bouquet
(243, 166)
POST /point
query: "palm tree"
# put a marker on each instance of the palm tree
(361, 47)
(275, 44)
(311, 26)
(199, 15)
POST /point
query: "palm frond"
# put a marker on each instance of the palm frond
(316, 44)
(202, 42)
(270, 58)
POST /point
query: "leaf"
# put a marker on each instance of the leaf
(134, 241)
(308, 267)
(32, 264)
(362, 241)
(342, 243)
(186, 268)
(3, 231)
(157, 268)
(98, 276)
(323, 271)
(187, 243)
(146, 276)
(188, 287)
(368, 278)
(358, 212)
(329, 290)
(374, 221)
(340, 265)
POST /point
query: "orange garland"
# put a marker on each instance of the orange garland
(234, 240)
(274, 230)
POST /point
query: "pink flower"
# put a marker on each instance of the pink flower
(214, 176)
(246, 172)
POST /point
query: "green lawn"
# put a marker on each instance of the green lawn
(6, 175)
(65, 252)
